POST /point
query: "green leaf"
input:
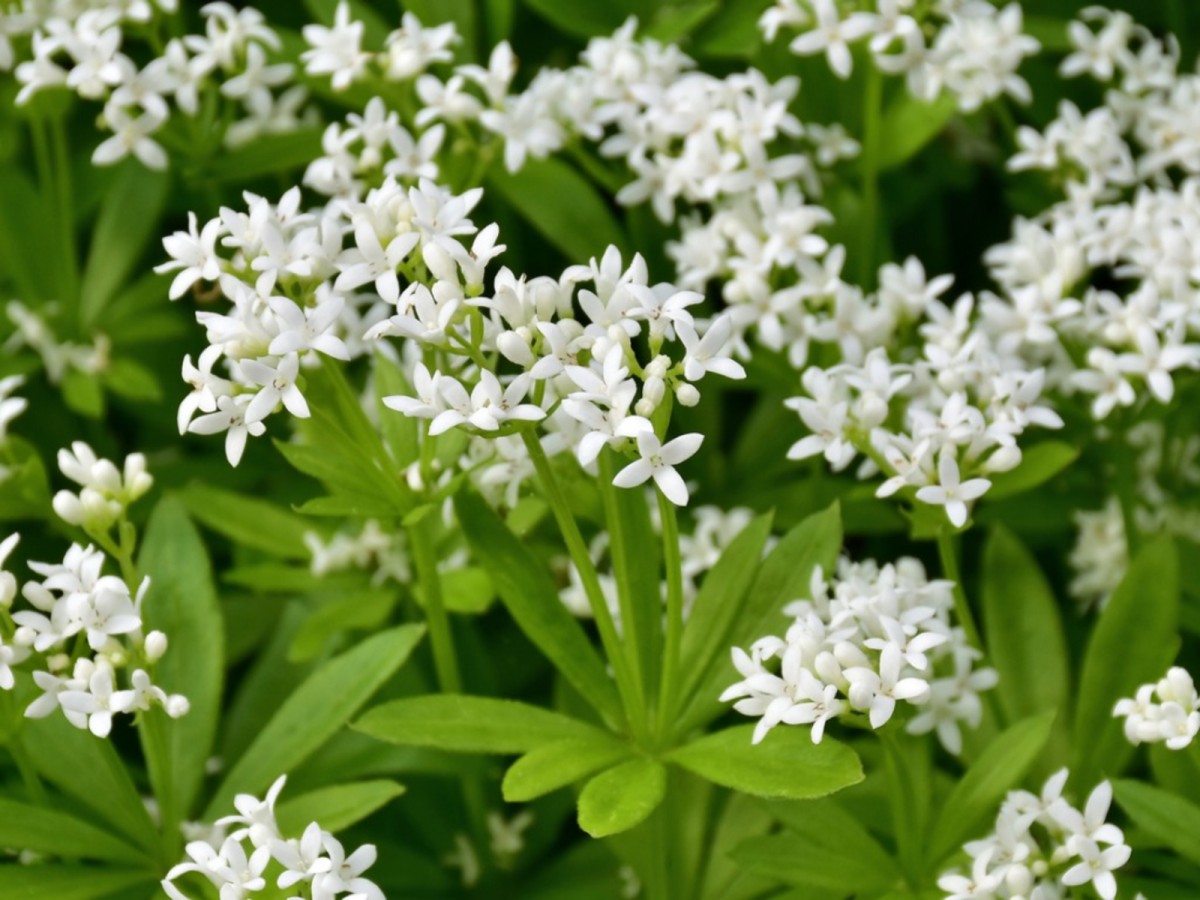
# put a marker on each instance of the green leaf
(559, 764)
(583, 18)
(717, 603)
(363, 608)
(468, 591)
(315, 711)
(82, 393)
(826, 823)
(974, 799)
(671, 24)
(128, 378)
(130, 215)
(733, 32)
(26, 231)
(27, 827)
(337, 807)
(1164, 816)
(909, 124)
(782, 577)
(786, 764)
(55, 881)
(182, 603)
(1051, 33)
(400, 432)
(1024, 630)
(806, 859)
(470, 724)
(1039, 464)
(269, 154)
(526, 589)
(248, 521)
(617, 800)
(1133, 643)
(560, 204)
(89, 770)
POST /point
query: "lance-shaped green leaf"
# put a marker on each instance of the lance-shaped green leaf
(526, 589)
(974, 799)
(716, 607)
(182, 603)
(561, 204)
(24, 826)
(1039, 464)
(315, 711)
(57, 881)
(1169, 819)
(909, 124)
(89, 770)
(471, 724)
(786, 764)
(783, 576)
(1133, 643)
(807, 859)
(248, 521)
(559, 764)
(622, 797)
(336, 807)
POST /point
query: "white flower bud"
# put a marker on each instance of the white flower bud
(177, 706)
(58, 662)
(1003, 459)
(515, 348)
(687, 394)
(68, 508)
(24, 636)
(8, 589)
(412, 475)
(137, 480)
(1019, 879)
(155, 646)
(441, 264)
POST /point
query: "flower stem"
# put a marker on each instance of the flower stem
(674, 638)
(872, 128)
(635, 708)
(621, 566)
(444, 658)
(948, 553)
(66, 214)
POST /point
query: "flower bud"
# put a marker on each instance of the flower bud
(687, 394)
(412, 475)
(514, 348)
(8, 589)
(24, 636)
(155, 646)
(1003, 459)
(177, 706)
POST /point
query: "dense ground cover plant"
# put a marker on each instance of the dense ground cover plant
(714, 449)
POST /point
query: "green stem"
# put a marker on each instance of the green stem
(1126, 485)
(66, 214)
(673, 563)
(634, 704)
(872, 127)
(903, 807)
(658, 886)
(948, 553)
(617, 546)
(444, 658)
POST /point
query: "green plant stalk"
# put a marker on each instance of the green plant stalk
(633, 640)
(658, 879)
(635, 708)
(445, 661)
(66, 215)
(673, 563)
(872, 128)
(948, 554)
(29, 775)
(908, 841)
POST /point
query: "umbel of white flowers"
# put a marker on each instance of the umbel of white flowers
(1042, 846)
(238, 864)
(865, 640)
(75, 605)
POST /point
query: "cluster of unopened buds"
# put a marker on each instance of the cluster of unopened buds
(240, 863)
(863, 641)
(1043, 846)
(1166, 711)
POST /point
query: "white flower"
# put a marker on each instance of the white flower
(950, 492)
(278, 383)
(230, 417)
(256, 818)
(193, 254)
(831, 34)
(132, 135)
(879, 691)
(336, 51)
(1096, 866)
(658, 461)
(94, 707)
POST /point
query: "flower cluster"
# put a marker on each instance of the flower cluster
(79, 46)
(1167, 710)
(76, 607)
(862, 641)
(966, 48)
(1043, 845)
(373, 549)
(315, 861)
(58, 356)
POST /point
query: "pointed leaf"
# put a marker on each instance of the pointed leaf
(798, 859)
(1039, 464)
(526, 589)
(337, 807)
(315, 711)
(470, 724)
(1164, 816)
(248, 521)
(624, 796)
(182, 603)
(559, 764)
(973, 801)
(1133, 643)
(786, 764)
(27, 827)
(56, 881)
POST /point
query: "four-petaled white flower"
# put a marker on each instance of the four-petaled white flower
(658, 461)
